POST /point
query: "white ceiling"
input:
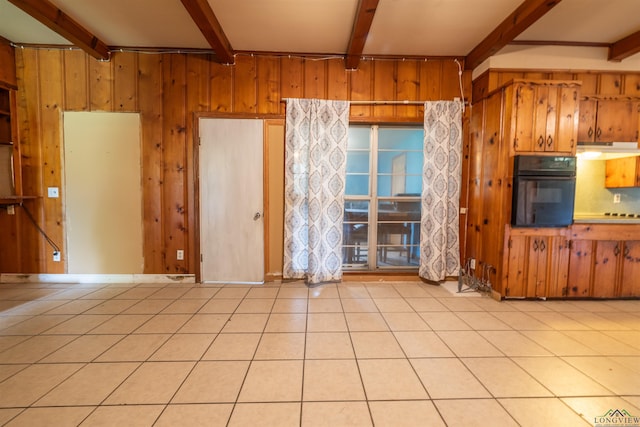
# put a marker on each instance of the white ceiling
(399, 28)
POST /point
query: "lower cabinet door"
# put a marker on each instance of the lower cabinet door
(630, 282)
(580, 259)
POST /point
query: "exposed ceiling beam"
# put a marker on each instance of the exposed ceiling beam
(63, 24)
(206, 20)
(520, 19)
(625, 47)
(361, 26)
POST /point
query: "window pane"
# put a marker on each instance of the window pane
(358, 162)
(357, 185)
(399, 210)
(355, 232)
(358, 137)
(399, 173)
(400, 138)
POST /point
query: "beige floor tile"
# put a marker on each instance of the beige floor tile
(105, 293)
(204, 324)
(323, 291)
(390, 379)
(149, 306)
(78, 325)
(405, 322)
(8, 370)
(325, 305)
(7, 342)
(293, 293)
(185, 306)
(75, 307)
(353, 291)
(31, 383)
(560, 377)
(426, 304)
(448, 378)
(134, 348)
(256, 305)
(627, 320)
(376, 345)
(287, 322)
(200, 293)
(121, 324)
(631, 338)
(542, 412)
(326, 322)
(474, 413)
(233, 347)
(273, 381)
(290, 305)
(559, 321)
(200, 415)
(332, 380)
(468, 344)
(265, 414)
(332, 414)
(261, 292)
(411, 290)
(595, 321)
(131, 416)
(393, 305)
(8, 414)
(163, 324)
(489, 304)
(559, 343)
(212, 382)
(366, 322)
(136, 293)
(359, 305)
(630, 362)
(216, 305)
(405, 414)
(444, 321)
(563, 306)
(232, 292)
(482, 321)
(603, 344)
(591, 408)
(634, 400)
(607, 372)
(35, 348)
(246, 323)
(168, 293)
(183, 347)
(527, 306)
(280, 346)
(422, 344)
(84, 349)
(89, 386)
(114, 306)
(51, 417)
(10, 320)
(459, 304)
(503, 378)
(513, 343)
(36, 325)
(329, 345)
(151, 383)
(520, 321)
(382, 291)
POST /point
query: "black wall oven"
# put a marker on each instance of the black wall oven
(543, 191)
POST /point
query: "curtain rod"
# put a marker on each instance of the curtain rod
(386, 102)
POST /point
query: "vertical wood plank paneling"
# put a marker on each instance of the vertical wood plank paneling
(430, 77)
(560, 76)
(125, 83)
(292, 79)
(150, 84)
(337, 80)
(407, 87)
(314, 79)
(450, 80)
(197, 87)
(76, 85)
(221, 86)
(632, 85)
(384, 87)
(589, 83)
(51, 76)
(174, 145)
(244, 85)
(610, 84)
(361, 88)
(268, 85)
(100, 85)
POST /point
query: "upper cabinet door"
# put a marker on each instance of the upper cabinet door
(587, 122)
(617, 121)
(568, 105)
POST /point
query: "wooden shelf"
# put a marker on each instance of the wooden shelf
(15, 200)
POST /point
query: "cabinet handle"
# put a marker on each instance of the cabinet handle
(541, 141)
(590, 133)
(549, 141)
(626, 251)
(599, 132)
(535, 245)
(542, 246)
(616, 250)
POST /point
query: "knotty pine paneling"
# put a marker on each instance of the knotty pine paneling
(167, 90)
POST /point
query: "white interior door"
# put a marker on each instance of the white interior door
(231, 200)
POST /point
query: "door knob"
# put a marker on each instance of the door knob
(257, 216)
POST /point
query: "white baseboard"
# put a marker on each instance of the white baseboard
(97, 278)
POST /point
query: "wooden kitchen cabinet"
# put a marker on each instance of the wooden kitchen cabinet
(537, 263)
(622, 173)
(608, 120)
(546, 117)
(630, 277)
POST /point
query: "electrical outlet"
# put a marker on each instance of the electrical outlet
(53, 192)
(616, 198)
(472, 263)
(56, 256)
(179, 254)
(11, 210)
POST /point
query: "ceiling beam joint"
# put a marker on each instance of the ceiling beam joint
(206, 20)
(625, 47)
(361, 25)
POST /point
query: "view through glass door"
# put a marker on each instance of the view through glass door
(382, 209)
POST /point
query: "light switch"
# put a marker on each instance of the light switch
(53, 193)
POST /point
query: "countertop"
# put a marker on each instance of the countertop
(604, 219)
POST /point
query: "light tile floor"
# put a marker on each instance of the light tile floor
(353, 354)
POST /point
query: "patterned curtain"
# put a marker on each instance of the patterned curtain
(315, 173)
(441, 180)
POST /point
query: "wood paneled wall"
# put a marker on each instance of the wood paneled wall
(167, 89)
